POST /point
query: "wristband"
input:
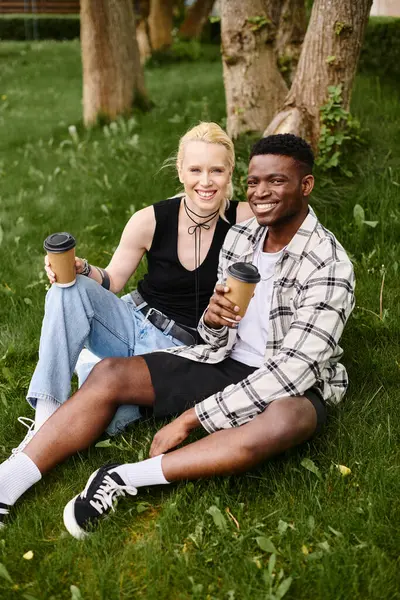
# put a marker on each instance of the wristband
(105, 278)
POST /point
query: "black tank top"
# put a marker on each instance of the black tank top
(168, 286)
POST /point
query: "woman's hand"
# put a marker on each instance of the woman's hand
(174, 433)
(52, 276)
(221, 311)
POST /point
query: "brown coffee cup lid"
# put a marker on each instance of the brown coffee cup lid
(59, 242)
(245, 272)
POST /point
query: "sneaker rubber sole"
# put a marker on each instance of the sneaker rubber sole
(70, 522)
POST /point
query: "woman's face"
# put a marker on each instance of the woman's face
(205, 174)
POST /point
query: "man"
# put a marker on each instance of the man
(258, 386)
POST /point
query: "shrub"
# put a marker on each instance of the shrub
(380, 53)
(44, 27)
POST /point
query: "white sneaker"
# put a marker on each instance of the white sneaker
(30, 425)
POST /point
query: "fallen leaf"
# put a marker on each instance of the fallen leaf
(304, 550)
(343, 470)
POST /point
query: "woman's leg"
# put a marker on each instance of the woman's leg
(147, 339)
(83, 314)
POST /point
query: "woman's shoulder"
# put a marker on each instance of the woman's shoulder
(172, 201)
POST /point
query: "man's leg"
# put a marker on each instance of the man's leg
(76, 423)
(285, 423)
(84, 417)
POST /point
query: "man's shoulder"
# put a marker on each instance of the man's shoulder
(325, 244)
(245, 230)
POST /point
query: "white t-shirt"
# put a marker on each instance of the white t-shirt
(252, 333)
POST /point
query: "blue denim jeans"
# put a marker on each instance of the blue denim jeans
(87, 315)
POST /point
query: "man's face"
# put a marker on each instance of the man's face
(277, 191)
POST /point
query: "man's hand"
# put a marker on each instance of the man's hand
(174, 433)
(221, 311)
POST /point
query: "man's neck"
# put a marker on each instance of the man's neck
(280, 236)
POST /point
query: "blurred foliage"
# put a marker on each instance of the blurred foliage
(380, 53)
(43, 27)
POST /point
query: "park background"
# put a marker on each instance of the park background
(301, 525)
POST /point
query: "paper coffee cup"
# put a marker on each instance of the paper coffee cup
(60, 248)
(242, 280)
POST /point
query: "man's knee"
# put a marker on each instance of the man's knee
(111, 373)
(285, 423)
(123, 379)
(292, 418)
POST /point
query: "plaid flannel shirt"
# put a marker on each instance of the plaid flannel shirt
(312, 299)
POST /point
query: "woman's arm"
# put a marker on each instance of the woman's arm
(243, 212)
(136, 238)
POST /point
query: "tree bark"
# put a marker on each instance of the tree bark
(160, 23)
(329, 57)
(142, 8)
(195, 19)
(112, 75)
(254, 87)
(291, 31)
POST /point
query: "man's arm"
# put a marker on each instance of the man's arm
(324, 307)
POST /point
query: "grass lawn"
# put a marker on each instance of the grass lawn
(336, 537)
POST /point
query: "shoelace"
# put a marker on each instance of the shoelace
(30, 425)
(196, 231)
(107, 492)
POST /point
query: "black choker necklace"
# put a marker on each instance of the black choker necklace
(198, 225)
(196, 231)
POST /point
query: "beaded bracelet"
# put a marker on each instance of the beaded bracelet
(87, 269)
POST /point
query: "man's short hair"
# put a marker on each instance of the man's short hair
(286, 144)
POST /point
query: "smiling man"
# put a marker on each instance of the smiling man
(258, 386)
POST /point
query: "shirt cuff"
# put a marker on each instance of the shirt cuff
(210, 335)
(210, 415)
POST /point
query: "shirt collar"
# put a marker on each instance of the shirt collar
(297, 244)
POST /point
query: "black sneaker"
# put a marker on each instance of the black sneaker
(82, 513)
(4, 510)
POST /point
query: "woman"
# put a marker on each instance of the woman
(181, 238)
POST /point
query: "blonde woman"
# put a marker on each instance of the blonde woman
(181, 238)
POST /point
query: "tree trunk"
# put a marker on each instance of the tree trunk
(329, 57)
(254, 87)
(196, 18)
(160, 23)
(290, 36)
(112, 75)
(142, 11)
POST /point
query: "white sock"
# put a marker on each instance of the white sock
(17, 474)
(44, 409)
(146, 472)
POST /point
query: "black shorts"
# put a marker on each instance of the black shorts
(180, 383)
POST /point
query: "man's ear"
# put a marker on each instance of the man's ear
(307, 184)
